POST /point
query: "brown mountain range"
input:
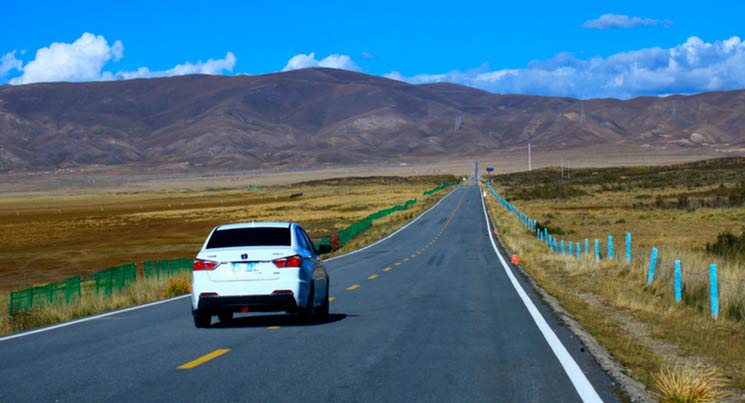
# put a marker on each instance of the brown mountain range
(318, 117)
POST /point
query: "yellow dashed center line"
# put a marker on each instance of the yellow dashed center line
(387, 269)
(413, 255)
(273, 327)
(201, 360)
(406, 259)
(353, 287)
(373, 277)
(397, 264)
(331, 299)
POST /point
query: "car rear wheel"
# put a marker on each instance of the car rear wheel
(202, 320)
(307, 313)
(225, 316)
(323, 311)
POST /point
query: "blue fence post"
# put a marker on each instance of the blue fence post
(678, 291)
(556, 245)
(652, 263)
(628, 248)
(571, 249)
(610, 247)
(562, 248)
(587, 246)
(714, 291)
(578, 250)
(597, 250)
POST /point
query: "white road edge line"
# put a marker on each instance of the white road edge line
(580, 382)
(393, 233)
(134, 308)
(89, 318)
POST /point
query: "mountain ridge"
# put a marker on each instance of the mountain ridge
(318, 117)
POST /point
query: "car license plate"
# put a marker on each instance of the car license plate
(248, 267)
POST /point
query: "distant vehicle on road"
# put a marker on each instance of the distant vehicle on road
(259, 267)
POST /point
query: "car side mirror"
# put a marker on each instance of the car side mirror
(324, 249)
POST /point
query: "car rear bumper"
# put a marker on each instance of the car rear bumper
(246, 303)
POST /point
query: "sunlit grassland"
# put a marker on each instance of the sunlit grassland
(676, 209)
(51, 237)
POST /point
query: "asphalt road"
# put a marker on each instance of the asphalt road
(429, 315)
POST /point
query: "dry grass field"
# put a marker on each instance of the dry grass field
(51, 237)
(677, 209)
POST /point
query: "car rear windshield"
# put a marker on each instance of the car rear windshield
(229, 238)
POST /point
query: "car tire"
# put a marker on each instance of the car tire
(225, 317)
(323, 311)
(307, 313)
(202, 320)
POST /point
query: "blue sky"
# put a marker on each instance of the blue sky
(582, 48)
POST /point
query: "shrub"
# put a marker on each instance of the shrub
(728, 245)
(176, 286)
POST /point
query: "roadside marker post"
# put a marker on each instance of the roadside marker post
(587, 246)
(597, 250)
(571, 249)
(628, 248)
(714, 291)
(652, 263)
(578, 250)
(562, 248)
(678, 287)
(610, 247)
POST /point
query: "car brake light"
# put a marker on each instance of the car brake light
(208, 294)
(200, 264)
(283, 292)
(292, 261)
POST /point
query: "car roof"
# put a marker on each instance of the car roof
(254, 224)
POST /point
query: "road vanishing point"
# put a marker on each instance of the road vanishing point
(429, 314)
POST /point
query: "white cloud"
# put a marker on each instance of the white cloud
(607, 21)
(81, 60)
(85, 59)
(211, 66)
(334, 61)
(9, 62)
(691, 67)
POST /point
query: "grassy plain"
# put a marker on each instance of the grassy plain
(678, 209)
(52, 236)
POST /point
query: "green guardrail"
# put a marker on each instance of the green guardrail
(155, 269)
(70, 290)
(34, 297)
(440, 187)
(347, 234)
(115, 278)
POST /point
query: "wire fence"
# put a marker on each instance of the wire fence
(104, 283)
(714, 282)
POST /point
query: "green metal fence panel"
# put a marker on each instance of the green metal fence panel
(155, 269)
(115, 279)
(20, 301)
(72, 289)
(440, 187)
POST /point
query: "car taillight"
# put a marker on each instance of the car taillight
(200, 264)
(292, 261)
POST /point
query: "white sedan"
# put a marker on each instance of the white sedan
(259, 267)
